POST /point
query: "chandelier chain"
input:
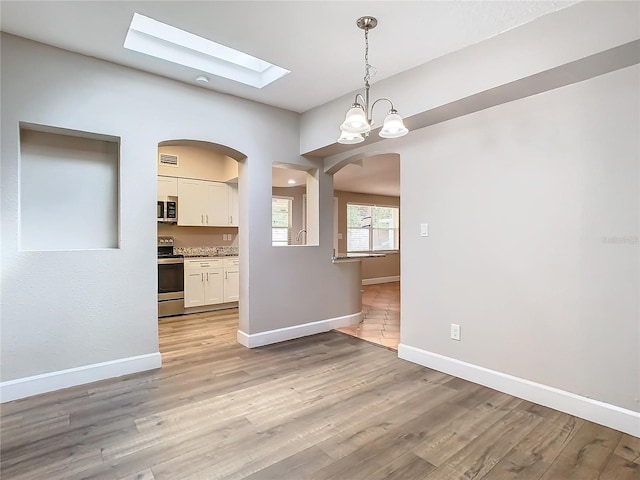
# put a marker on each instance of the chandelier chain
(367, 67)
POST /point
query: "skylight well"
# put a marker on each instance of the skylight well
(163, 41)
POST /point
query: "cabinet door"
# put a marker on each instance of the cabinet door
(214, 287)
(231, 285)
(167, 187)
(217, 213)
(192, 199)
(234, 208)
(194, 287)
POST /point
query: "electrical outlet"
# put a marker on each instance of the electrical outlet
(455, 332)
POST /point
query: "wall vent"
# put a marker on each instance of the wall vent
(171, 160)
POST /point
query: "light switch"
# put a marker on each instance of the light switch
(339, 236)
(424, 229)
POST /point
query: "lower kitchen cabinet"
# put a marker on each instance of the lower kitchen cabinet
(210, 281)
(203, 282)
(231, 279)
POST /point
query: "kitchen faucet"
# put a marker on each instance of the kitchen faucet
(300, 234)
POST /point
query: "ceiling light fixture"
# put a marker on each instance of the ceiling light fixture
(358, 120)
(291, 181)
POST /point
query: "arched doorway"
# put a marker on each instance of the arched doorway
(199, 235)
(367, 198)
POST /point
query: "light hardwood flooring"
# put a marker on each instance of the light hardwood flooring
(380, 315)
(327, 406)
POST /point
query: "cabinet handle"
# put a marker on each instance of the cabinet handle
(202, 218)
(202, 277)
(207, 276)
(207, 219)
(226, 275)
(231, 220)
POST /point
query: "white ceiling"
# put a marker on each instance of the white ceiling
(379, 175)
(317, 40)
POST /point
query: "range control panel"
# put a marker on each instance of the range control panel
(165, 241)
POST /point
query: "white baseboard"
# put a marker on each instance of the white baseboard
(48, 382)
(373, 281)
(595, 411)
(297, 331)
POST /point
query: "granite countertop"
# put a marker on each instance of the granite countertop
(195, 252)
(354, 257)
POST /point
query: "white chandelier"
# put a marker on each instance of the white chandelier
(358, 120)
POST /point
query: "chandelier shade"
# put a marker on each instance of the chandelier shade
(393, 126)
(350, 138)
(358, 120)
(355, 121)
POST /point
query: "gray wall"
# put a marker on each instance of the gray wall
(533, 248)
(532, 202)
(67, 309)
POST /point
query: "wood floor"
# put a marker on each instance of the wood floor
(380, 315)
(328, 406)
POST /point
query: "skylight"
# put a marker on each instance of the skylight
(163, 41)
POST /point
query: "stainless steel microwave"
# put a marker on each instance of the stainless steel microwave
(167, 212)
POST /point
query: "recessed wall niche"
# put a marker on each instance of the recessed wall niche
(68, 189)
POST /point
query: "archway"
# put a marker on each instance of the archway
(199, 185)
(367, 193)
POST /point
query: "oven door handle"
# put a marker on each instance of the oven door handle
(170, 261)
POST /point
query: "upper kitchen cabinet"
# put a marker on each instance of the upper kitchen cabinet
(167, 187)
(218, 203)
(234, 207)
(202, 203)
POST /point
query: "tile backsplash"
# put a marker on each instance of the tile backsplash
(209, 237)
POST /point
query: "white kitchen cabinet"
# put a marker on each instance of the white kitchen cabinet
(202, 203)
(218, 202)
(203, 282)
(167, 187)
(234, 208)
(193, 288)
(231, 279)
(213, 286)
(192, 202)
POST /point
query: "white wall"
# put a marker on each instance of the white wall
(533, 249)
(62, 310)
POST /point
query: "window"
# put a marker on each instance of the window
(372, 228)
(281, 220)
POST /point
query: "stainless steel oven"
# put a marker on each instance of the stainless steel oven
(170, 279)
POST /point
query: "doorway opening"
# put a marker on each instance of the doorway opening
(198, 232)
(367, 222)
(380, 315)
